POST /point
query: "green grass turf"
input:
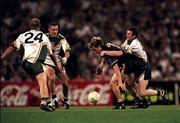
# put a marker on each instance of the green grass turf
(154, 114)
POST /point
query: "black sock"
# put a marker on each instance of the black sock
(65, 99)
(65, 92)
(137, 98)
(158, 92)
(54, 96)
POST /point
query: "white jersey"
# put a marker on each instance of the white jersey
(60, 46)
(134, 47)
(36, 45)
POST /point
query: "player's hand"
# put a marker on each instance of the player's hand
(59, 68)
(64, 60)
(99, 70)
(102, 53)
(122, 86)
(128, 49)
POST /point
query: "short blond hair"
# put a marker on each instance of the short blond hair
(95, 42)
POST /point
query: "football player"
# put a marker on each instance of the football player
(61, 50)
(133, 47)
(35, 45)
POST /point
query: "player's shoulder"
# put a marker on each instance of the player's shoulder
(47, 34)
(135, 42)
(60, 36)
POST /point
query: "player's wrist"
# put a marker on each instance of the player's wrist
(64, 60)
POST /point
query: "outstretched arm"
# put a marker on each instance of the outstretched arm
(112, 53)
(9, 50)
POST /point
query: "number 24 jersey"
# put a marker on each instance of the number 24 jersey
(36, 45)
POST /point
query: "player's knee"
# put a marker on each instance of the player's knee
(52, 78)
(142, 93)
(111, 84)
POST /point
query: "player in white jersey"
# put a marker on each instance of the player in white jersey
(61, 50)
(35, 45)
(133, 46)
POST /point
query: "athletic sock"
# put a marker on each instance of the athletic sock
(54, 96)
(65, 91)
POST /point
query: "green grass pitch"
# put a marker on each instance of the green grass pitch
(101, 114)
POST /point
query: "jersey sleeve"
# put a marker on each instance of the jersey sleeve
(134, 46)
(17, 43)
(65, 45)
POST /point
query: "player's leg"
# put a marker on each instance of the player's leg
(132, 86)
(52, 85)
(134, 90)
(65, 86)
(43, 85)
(163, 93)
(150, 92)
(114, 86)
(36, 70)
(42, 81)
(142, 88)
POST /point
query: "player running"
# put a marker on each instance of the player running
(35, 46)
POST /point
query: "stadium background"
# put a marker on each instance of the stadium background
(157, 21)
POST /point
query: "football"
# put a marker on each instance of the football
(94, 97)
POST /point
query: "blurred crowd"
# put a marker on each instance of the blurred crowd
(158, 22)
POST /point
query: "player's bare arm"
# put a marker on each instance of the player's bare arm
(118, 74)
(100, 66)
(8, 51)
(65, 58)
(112, 53)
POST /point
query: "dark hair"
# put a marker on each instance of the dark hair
(35, 23)
(95, 42)
(134, 30)
(53, 24)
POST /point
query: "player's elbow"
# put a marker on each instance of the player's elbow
(119, 53)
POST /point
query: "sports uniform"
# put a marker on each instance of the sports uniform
(133, 64)
(136, 50)
(35, 45)
(60, 46)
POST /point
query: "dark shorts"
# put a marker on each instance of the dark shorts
(136, 67)
(32, 69)
(147, 74)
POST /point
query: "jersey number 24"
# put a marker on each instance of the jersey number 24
(31, 38)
